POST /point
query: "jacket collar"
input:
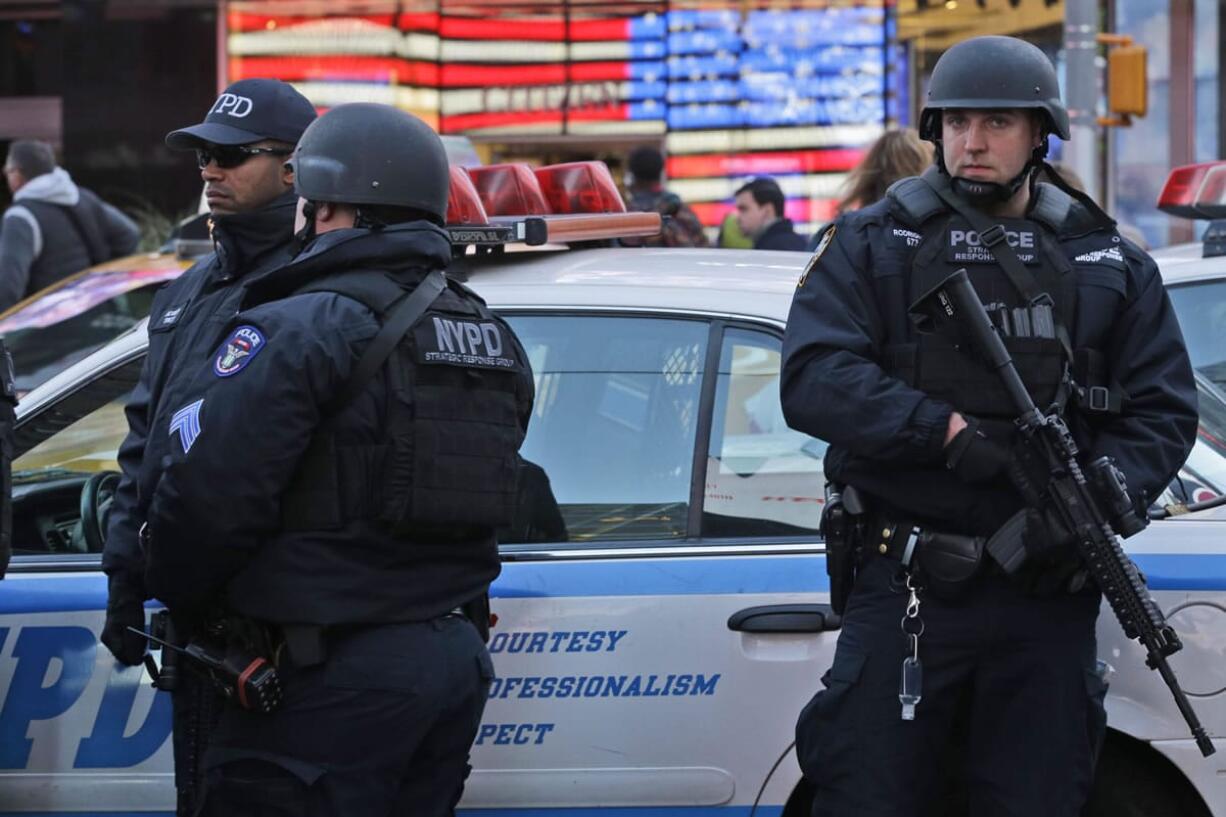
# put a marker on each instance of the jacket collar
(406, 251)
(243, 241)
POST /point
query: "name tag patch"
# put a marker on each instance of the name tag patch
(461, 342)
(908, 237)
(171, 316)
(238, 351)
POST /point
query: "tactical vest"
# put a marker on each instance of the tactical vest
(1035, 334)
(445, 468)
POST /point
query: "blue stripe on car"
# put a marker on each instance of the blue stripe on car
(661, 576)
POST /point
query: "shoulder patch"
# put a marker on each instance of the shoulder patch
(239, 350)
(1104, 255)
(827, 237)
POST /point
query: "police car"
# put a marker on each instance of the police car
(661, 613)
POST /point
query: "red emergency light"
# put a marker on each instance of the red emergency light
(509, 190)
(580, 187)
(574, 202)
(464, 205)
(1195, 191)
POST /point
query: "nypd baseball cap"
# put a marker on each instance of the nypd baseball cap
(249, 111)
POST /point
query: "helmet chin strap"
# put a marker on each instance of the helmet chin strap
(307, 234)
(981, 193)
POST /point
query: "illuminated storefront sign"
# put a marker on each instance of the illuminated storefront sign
(732, 92)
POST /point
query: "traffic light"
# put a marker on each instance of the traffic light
(1127, 79)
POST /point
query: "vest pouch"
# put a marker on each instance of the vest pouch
(948, 372)
(455, 467)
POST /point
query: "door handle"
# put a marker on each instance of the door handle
(785, 618)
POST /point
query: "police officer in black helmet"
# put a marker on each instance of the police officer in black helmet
(1008, 700)
(338, 467)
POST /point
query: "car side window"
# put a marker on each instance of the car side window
(762, 478)
(610, 448)
(61, 450)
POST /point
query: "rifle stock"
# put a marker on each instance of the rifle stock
(1069, 495)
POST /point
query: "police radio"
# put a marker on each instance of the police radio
(248, 680)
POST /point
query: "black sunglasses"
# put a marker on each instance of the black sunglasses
(231, 156)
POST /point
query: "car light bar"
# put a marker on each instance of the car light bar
(558, 204)
(509, 190)
(1195, 191)
(580, 187)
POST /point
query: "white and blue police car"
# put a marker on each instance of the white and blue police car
(661, 627)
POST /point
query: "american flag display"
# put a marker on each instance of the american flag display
(731, 91)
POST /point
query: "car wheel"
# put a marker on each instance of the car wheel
(1133, 780)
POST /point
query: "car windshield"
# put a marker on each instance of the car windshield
(41, 352)
(1201, 308)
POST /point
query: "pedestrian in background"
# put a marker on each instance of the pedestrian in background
(647, 194)
(55, 227)
(241, 148)
(760, 215)
(897, 154)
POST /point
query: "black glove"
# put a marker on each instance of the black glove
(974, 457)
(125, 607)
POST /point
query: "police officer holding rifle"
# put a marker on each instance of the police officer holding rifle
(969, 597)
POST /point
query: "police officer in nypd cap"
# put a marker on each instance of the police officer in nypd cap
(241, 148)
(920, 432)
(336, 470)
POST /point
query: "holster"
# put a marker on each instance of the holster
(196, 708)
(948, 562)
(478, 612)
(838, 526)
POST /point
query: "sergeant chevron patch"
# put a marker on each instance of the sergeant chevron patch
(186, 421)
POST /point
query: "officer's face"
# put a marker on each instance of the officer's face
(988, 145)
(752, 217)
(249, 186)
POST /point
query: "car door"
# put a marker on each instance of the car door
(663, 496)
(78, 732)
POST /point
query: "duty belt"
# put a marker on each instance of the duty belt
(947, 562)
(306, 645)
(894, 540)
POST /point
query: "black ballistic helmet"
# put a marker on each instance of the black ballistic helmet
(366, 153)
(993, 72)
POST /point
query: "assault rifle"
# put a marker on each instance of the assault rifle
(1077, 500)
